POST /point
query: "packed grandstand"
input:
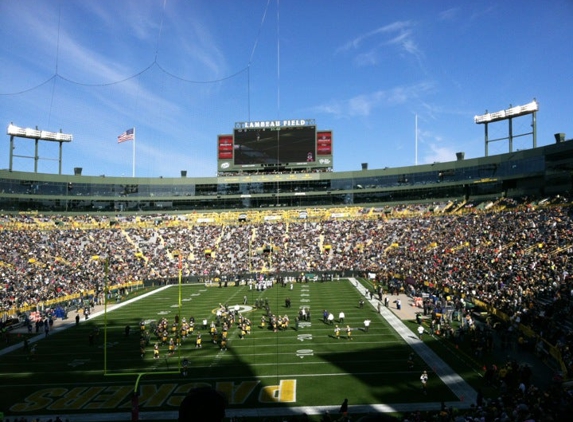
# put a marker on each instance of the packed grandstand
(510, 257)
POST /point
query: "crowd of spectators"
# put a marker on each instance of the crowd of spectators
(516, 259)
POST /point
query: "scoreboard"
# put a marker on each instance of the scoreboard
(274, 145)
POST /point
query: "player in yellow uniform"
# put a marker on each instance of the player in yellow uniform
(198, 341)
(337, 332)
(348, 332)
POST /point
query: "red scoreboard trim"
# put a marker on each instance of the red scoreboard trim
(324, 143)
(225, 147)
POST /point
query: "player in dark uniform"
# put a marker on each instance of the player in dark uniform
(142, 344)
(410, 361)
(185, 367)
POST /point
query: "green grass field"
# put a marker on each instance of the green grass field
(265, 370)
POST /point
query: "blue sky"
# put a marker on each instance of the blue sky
(183, 71)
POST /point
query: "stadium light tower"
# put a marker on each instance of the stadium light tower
(37, 135)
(509, 114)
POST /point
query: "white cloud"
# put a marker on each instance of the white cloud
(433, 148)
(368, 58)
(399, 33)
(449, 14)
(438, 154)
(363, 104)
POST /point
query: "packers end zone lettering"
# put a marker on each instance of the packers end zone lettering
(285, 392)
(151, 396)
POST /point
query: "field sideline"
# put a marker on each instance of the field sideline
(265, 374)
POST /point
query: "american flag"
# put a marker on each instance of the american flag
(128, 135)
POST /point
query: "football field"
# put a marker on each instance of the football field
(90, 371)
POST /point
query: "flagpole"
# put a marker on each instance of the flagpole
(416, 139)
(133, 158)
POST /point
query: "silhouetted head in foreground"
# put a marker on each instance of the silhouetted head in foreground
(202, 404)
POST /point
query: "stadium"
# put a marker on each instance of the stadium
(276, 274)
(120, 295)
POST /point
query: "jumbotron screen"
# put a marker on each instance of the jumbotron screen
(284, 144)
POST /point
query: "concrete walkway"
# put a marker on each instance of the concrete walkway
(394, 316)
